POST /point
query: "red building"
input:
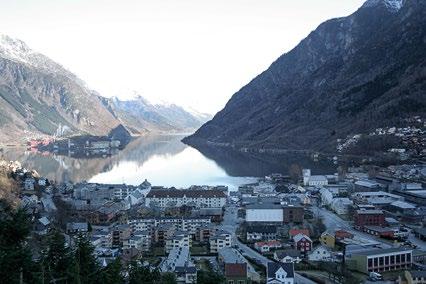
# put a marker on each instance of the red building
(302, 243)
(369, 218)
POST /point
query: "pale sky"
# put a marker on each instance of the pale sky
(195, 53)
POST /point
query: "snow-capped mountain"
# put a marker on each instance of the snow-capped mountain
(141, 115)
(39, 96)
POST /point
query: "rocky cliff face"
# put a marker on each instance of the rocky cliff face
(350, 75)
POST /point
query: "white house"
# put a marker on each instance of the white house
(341, 205)
(280, 273)
(320, 253)
(288, 255)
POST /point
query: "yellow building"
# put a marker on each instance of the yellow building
(327, 239)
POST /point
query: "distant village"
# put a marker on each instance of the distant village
(347, 227)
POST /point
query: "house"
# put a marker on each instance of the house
(42, 226)
(328, 194)
(77, 227)
(341, 205)
(261, 233)
(293, 232)
(230, 255)
(302, 243)
(369, 218)
(29, 184)
(267, 246)
(342, 234)
(380, 260)
(280, 273)
(328, 239)
(236, 273)
(288, 255)
(320, 253)
(219, 240)
(135, 198)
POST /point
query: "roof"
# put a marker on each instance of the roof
(288, 252)
(297, 238)
(361, 212)
(294, 232)
(264, 206)
(269, 243)
(261, 229)
(235, 269)
(369, 252)
(273, 267)
(44, 221)
(403, 205)
(178, 193)
(418, 273)
(367, 183)
(317, 178)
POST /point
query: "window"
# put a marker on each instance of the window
(370, 262)
(230, 281)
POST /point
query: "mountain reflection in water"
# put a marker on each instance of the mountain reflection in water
(166, 161)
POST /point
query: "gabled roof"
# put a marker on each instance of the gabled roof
(294, 232)
(288, 252)
(299, 237)
(236, 269)
(273, 267)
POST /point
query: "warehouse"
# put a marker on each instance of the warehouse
(264, 213)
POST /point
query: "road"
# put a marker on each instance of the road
(230, 224)
(332, 221)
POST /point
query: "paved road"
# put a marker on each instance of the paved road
(230, 224)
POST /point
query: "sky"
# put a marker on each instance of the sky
(194, 53)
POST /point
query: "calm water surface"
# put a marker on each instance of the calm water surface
(164, 160)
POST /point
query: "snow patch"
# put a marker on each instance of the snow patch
(393, 5)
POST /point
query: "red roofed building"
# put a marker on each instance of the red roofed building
(267, 246)
(342, 234)
(236, 273)
(294, 232)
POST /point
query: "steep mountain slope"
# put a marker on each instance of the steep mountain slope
(38, 95)
(139, 115)
(350, 75)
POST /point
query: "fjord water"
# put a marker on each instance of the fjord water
(165, 161)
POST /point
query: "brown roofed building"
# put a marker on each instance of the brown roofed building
(236, 273)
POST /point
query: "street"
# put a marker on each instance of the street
(230, 223)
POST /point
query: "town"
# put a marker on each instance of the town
(347, 227)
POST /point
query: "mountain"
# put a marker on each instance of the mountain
(350, 75)
(139, 115)
(38, 95)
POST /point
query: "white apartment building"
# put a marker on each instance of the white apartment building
(221, 239)
(199, 198)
